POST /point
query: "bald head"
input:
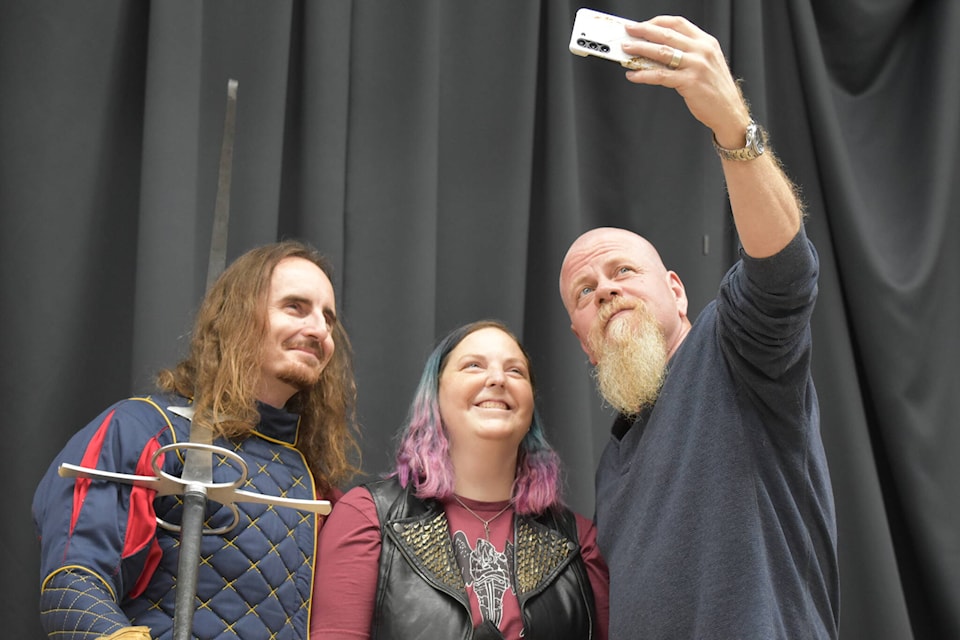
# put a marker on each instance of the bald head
(600, 240)
(611, 265)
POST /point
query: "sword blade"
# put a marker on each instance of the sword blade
(221, 209)
(198, 464)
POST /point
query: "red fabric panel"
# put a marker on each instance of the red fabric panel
(90, 457)
(142, 520)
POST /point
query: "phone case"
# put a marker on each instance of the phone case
(601, 34)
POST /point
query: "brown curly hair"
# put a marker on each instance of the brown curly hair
(223, 367)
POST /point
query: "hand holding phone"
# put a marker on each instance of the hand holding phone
(601, 35)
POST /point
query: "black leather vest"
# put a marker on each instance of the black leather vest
(421, 593)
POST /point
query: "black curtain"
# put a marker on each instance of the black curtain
(443, 155)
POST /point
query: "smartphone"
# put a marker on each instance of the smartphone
(601, 34)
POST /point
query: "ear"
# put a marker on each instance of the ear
(679, 292)
(583, 345)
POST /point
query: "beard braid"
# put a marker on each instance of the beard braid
(631, 358)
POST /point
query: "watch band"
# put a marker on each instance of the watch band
(756, 142)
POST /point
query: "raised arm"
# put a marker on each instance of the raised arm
(765, 206)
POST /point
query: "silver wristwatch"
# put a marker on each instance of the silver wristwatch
(756, 140)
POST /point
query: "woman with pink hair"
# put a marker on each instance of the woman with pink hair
(468, 537)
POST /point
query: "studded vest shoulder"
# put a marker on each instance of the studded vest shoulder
(420, 587)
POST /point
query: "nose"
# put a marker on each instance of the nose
(315, 326)
(495, 377)
(607, 289)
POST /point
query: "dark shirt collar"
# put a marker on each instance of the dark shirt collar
(624, 423)
(277, 424)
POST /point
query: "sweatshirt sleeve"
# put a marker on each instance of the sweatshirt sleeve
(764, 310)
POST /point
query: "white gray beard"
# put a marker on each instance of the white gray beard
(631, 361)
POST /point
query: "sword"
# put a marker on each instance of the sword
(198, 462)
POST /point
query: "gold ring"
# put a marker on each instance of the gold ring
(675, 60)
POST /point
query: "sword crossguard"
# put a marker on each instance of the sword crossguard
(167, 484)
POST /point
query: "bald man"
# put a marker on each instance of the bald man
(714, 505)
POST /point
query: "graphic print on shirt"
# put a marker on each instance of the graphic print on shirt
(488, 571)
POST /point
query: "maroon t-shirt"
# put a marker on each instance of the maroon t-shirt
(348, 557)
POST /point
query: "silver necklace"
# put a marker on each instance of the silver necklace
(486, 523)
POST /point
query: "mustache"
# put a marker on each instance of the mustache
(613, 307)
(313, 346)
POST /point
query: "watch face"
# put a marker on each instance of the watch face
(754, 140)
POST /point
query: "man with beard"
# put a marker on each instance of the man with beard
(269, 372)
(714, 506)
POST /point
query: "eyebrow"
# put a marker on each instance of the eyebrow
(480, 356)
(614, 261)
(295, 297)
(577, 284)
